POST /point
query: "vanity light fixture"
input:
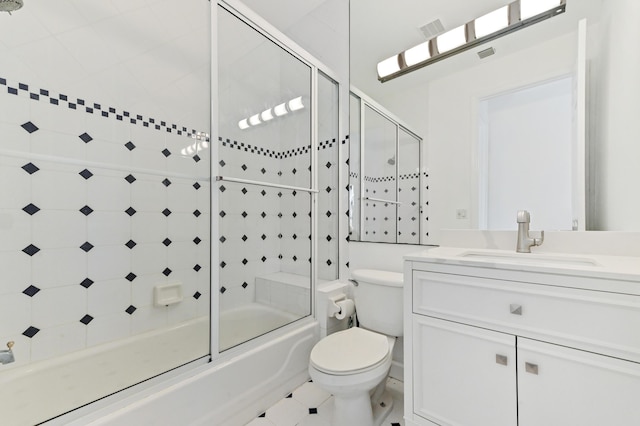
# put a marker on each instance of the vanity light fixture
(284, 108)
(505, 20)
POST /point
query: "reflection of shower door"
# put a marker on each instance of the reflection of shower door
(269, 137)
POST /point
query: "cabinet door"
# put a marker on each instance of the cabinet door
(567, 387)
(463, 375)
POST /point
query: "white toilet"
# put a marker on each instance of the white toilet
(353, 364)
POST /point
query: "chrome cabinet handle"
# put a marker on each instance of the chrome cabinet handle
(515, 309)
(531, 368)
(501, 359)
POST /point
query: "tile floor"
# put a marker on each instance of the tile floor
(311, 406)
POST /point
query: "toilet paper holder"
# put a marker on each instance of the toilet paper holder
(333, 308)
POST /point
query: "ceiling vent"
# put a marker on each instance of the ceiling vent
(486, 52)
(432, 29)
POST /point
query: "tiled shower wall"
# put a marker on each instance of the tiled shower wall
(98, 202)
(265, 230)
(98, 208)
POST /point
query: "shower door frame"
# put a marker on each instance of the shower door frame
(271, 33)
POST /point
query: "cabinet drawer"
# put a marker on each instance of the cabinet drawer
(602, 322)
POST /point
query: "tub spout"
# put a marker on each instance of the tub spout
(524, 240)
(6, 356)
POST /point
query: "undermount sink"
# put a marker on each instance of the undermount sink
(528, 258)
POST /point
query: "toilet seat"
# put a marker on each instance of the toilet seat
(350, 351)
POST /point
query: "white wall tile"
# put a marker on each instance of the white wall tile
(15, 313)
(148, 318)
(107, 297)
(106, 328)
(15, 272)
(58, 190)
(15, 229)
(108, 228)
(58, 306)
(148, 258)
(59, 229)
(59, 267)
(109, 192)
(109, 262)
(148, 227)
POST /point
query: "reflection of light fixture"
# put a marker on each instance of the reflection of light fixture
(284, 108)
(201, 143)
(507, 19)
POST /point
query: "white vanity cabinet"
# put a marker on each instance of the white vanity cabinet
(503, 345)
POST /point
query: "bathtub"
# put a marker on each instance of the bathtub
(246, 322)
(229, 391)
(38, 391)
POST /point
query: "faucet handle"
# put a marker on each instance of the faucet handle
(10, 344)
(523, 216)
(539, 241)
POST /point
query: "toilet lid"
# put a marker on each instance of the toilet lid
(350, 350)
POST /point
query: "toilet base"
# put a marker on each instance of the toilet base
(361, 410)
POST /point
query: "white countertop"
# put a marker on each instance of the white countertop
(625, 268)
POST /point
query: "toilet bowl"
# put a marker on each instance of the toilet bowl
(350, 365)
(353, 364)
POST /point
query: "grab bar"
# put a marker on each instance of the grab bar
(382, 201)
(268, 184)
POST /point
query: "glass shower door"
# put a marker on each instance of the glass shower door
(264, 183)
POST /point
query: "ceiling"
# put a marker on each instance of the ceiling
(381, 28)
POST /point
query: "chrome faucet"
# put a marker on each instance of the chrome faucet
(524, 240)
(6, 356)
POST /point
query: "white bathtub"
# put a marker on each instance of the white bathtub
(38, 391)
(230, 391)
(246, 322)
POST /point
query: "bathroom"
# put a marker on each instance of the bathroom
(142, 268)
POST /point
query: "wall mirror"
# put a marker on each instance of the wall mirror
(385, 176)
(443, 102)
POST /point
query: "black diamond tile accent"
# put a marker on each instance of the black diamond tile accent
(328, 213)
(86, 319)
(197, 186)
(31, 209)
(30, 127)
(264, 237)
(86, 174)
(329, 238)
(262, 415)
(87, 247)
(263, 170)
(395, 424)
(313, 411)
(245, 214)
(295, 258)
(166, 152)
(86, 283)
(245, 238)
(328, 189)
(244, 191)
(31, 291)
(245, 261)
(197, 268)
(31, 249)
(263, 214)
(131, 244)
(86, 138)
(222, 213)
(295, 237)
(166, 212)
(197, 213)
(167, 272)
(289, 396)
(130, 310)
(196, 158)
(130, 178)
(130, 211)
(130, 146)
(30, 332)
(263, 258)
(86, 210)
(245, 285)
(329, 262)
(222, 163)
(166, 182)
(197, 295)
(167, 242)
(30, 168)
(131, 276)
(222, 290)
(244, 167)
(328, 165)
(222, 188)
(197, 240)
(263, 192)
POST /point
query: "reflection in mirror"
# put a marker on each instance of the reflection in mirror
(388, 157)
(446, 96)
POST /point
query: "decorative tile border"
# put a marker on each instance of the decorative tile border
(79, 104)
(253, 149)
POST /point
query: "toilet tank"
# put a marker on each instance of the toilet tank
(378, 299)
